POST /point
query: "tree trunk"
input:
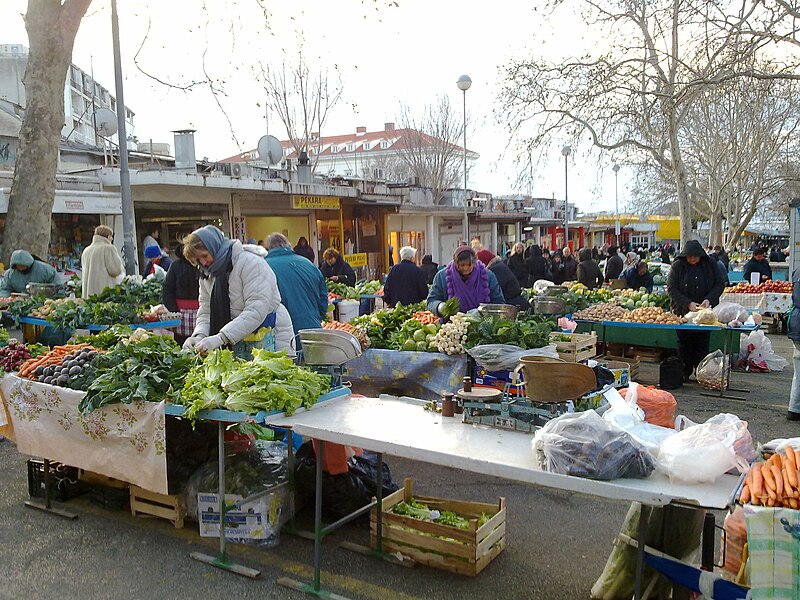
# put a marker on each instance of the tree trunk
(715, 228)
(51, 27)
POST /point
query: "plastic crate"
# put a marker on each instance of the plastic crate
(110, 498)
(64, 481)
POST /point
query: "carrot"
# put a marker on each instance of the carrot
(776, 473)
(788, 489)
(744, 497)
(771, 501)
(769, 480)
(791, 458)
(758, 482)
(794, 503)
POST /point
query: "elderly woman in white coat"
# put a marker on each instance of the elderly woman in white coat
(238, 293)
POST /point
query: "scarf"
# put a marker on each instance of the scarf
(221, 248)
(473, 291)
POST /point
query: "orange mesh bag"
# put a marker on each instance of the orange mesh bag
(658, 405)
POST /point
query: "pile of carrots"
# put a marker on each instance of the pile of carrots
(332, 297)
(340, 326)
(53, 358)
(425, 317)
(774, 482)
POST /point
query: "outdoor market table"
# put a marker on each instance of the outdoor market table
(149, 325)
(653, 335)
(401, 427)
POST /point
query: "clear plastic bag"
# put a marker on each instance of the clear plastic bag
(730, 311)
(496, 357)
(584, 445)
(658, 405)
(711, 369)
(757, 354)
(701, 454)
(625, 414)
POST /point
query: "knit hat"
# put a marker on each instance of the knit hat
(461, 250)
(485, 256)
(152, 252)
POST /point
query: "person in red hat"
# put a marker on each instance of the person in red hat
(467, 279)
(512, 291)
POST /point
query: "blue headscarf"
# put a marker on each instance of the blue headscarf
(218, 246)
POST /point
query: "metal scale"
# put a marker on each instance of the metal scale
(325, 351)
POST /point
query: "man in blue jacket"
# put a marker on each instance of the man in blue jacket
(301, 284)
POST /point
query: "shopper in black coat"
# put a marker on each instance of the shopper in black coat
(512, 291)
(335, 268)
(180, 293)
(536, 265)
(428, 268)
(557, 275)
(758, 264)
(516, 262)
(613, 264)
(695, 281)
(405, 283)
(588, 272)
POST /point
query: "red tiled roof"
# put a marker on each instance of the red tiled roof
(393, 136)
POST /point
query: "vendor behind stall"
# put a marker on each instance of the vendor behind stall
(336, 269)
(180, 291)
(238, 295)
(694, 282)
(639, 277)
(26, 269)
(758, 264)
(155, 256)
(468, 280)
(512, 291)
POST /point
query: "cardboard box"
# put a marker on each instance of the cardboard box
(254, 518)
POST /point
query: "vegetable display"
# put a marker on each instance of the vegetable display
(269, 382)
(381, 324)
(34, 368)
(414, 336)
(13, 356)
(342, 290)
(527, 332)
(774, 482)
(773, 287)
(369, 288)
(631, 299)
(422, 512)
(452, 336)
(358, 333)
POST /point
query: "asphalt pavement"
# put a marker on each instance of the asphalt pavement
(558, 542)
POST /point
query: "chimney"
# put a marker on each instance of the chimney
(361, 130)
(388, 126)
(304, 168)
(184, 149)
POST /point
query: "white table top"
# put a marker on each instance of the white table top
(401, 427)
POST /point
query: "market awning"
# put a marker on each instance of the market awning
(77, 202)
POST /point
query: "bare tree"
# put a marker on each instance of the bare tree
(429, 145)
(301, 100)
(632, 98)
(52, 27)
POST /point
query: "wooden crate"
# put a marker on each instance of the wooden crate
(163, 506)
(582, 346)
(647, 354)
(465, 551)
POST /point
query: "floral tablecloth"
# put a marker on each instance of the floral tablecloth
(425, 375)
(771, 302)
(123, 441)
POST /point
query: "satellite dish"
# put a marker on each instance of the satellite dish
(270, 150)
(105, 122)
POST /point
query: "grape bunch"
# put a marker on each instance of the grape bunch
(13, 355)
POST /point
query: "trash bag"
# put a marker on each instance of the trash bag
(757, 355)
(711, 370)
(345, 493)
(702, 453)
(584, 445)
(658, 405)
(730, 311)
(497, 357)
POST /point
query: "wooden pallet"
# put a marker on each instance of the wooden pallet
(153, 504)
(582, 346)
(465, 551)
(648, 355)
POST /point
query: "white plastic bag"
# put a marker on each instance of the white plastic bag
(540, 285)
(700, 454)
(730, 311)
(757, 354)
(496, 357)
(630, 418)
(711, 370)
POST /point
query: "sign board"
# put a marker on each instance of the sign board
(356, 260)
(239, 228)
(315, 202)
(368, 228)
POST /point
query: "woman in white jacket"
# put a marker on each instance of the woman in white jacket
(238, 293)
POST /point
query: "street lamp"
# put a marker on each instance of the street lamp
(464, 83)
(565, 151)
(615, 168)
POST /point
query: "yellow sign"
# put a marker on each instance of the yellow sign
(356, 260)
(311, 202)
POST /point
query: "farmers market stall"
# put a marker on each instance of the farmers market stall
(401, 427)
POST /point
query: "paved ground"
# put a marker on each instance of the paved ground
(558, 542)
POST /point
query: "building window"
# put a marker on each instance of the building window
(377, 173)
(384, 144)
(351, 147)
(366, 145)
(334, 148)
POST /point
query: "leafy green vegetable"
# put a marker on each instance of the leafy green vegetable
(526, 331)
(24, 305)
(381, 324)
(418, 510)
(344, 290)
(368, 287)
(106, 339)
(450, 307)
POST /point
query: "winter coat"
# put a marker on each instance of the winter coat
(429, 269)
(794, 316)
(687, 283)
(438, 293)
(519, 268)
(340, 269)
(302, 287)
(636, 281)
(306, 251)
(757, 266)
(512, 291)
(557, 272)
(570, 268)
(181, 283)
(777, 256)
(405, 284)
(15, 281)
(253, 292)
(166, 263)
(101, 266)
(589, 273)
(613, 267)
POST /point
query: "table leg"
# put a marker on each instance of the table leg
(641, 535)
(221, 561)
(707, 552)
(46, 507)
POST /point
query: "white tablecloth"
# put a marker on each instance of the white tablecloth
(123, 441)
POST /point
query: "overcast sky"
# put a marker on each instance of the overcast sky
(384, 51)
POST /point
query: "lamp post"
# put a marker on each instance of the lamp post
(565, 151)
(464, 83)
(615, 168)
